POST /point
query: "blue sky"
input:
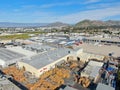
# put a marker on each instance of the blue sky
(68, 11)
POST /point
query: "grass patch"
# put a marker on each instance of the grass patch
(16, 36)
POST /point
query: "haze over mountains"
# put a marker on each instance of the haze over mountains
(55, 24)
(10, 24)
(87, 23)
(84, 23)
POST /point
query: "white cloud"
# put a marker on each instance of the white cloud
(50, 5)
(38, 15)
(58, 4)
(91, 1)
(68, 3)
(97, 14)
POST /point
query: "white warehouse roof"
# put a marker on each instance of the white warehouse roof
(8, 57)
(44, 59)
(19, 49)
(92, 69)
(104, 87)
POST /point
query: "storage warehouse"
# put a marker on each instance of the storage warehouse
(42, 62)
(8, 57)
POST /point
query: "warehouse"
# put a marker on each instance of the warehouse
(40, 63)
(85, 57)
(38, 48)
(19, 49)
(92, 69)
(8, 57)
(104, 87)
(5, 84)
(107, 41)
(101, 49)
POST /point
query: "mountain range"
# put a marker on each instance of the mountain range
(57, 24)
(10, 24)
(84, 23)
(87, 23)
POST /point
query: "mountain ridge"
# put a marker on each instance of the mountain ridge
(57, 24)
(87, 23)
(84, 23)
(13, 24)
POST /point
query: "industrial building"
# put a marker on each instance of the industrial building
(38, 48)
(8, 57)
(56, 40)
(40, 63)
(7, 85)
(85, 57)
(19, 49)
(43, 65)
(12, 54)
(101, 49)
(104, 87)
(107, 41)
(92, 69)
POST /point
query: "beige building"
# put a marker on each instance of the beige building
(40, 63)
(45, 61)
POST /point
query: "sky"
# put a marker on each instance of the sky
(67, 11)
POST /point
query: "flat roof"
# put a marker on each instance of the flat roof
(68, 88)
(104, 39)
(5, 84)
(46, 58)
(101, 49)
(79, 87)
(101, 86)
(7, 55)
(86, 56)
(92, 69)
(20, 50)
(38, 46)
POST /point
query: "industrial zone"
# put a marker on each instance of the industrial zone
(57, 61)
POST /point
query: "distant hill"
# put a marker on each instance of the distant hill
(87, 23)
(84, 23)
(10, 24)
(57, 24)
(111, 22)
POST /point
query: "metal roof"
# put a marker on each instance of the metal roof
(68, 88)
(7, 55)
(7, 85)
(92, 69)
(38, 47)
(46, 58)
(104, 39)
(104, 87)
